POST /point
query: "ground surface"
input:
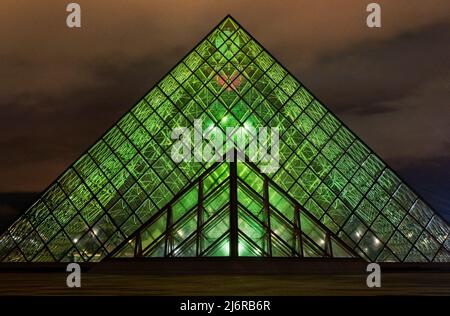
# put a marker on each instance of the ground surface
(190, 276)
(114, 284)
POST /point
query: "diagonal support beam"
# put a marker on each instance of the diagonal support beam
(234, 239)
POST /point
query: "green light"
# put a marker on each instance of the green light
(241, 249)
(127, 177)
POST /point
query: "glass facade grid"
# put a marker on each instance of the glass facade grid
(127, 177)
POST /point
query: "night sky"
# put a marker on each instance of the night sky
(62, 88)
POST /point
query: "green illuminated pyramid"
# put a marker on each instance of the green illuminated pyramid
(330, 197)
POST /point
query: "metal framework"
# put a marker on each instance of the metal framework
(127, 181)
(233, 219)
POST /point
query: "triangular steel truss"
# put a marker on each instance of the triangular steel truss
(198, 221)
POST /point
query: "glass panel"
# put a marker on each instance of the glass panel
(355, 228)
(394, 212)
(438, 228)
(222, 249)
(382, 228)
(358, 151)
(128, 250)
(215, 228)
(427, 245)
(410, 228)
(250, 177)
(389, 181)
(31, 245)
(339, 212)
(185, 203)
(281, 203)
(399, 245)
(387, 256)
(59, 245)
(183, 230)
(252, 228)
(371, 245)
(367, 212)
(120, 212)
(153, 231)
(146, 210)
(313, 231)
(405, 196)
(421, 212)
(339, 251)
(48, 228)
(415, 256)
(76, 228)
(103, 229)
(378, 196)
(247, 249)
(442, 256)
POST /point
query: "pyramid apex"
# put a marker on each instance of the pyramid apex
(229, 17)
(228, 23)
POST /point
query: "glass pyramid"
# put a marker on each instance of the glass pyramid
(331, 197)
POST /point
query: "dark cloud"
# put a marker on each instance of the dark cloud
(429, 177)
(371, 74)
(418, 129)
(12, 204)
(7, 212)
(374, 109)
